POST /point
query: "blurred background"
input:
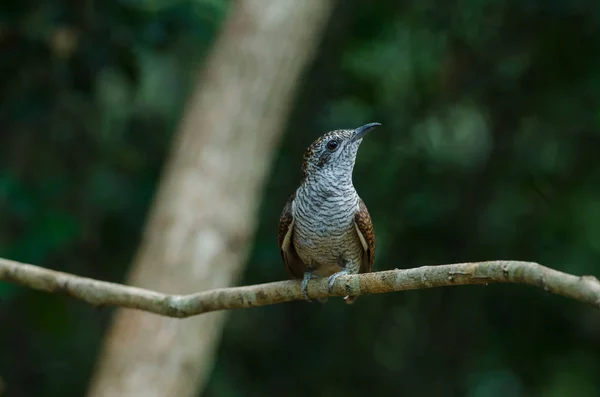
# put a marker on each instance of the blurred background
(491, 128)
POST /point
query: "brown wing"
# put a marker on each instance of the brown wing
(293, 264)
(364, 227)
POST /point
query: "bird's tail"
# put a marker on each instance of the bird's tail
(350, 299)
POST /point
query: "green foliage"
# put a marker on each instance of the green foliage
(491, 120)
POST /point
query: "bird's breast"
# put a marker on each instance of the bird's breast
(324, 231)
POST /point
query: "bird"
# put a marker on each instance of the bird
(325, 229)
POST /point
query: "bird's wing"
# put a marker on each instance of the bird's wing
(364, 227)
(293, 264)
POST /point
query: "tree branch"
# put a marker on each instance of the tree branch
(100, 293)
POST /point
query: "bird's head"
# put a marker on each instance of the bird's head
(333, 154)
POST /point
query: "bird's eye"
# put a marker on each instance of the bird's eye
(332, 145)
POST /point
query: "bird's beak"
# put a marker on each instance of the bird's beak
(362, 131)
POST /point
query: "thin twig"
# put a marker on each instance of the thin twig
(585, 288)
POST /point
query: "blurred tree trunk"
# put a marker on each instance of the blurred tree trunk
(203, 219)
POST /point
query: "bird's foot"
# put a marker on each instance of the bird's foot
(334, 276)
(304, 285)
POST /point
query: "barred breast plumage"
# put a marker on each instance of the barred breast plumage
(324, 234)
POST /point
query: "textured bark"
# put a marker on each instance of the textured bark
(203, 218)
(585, 289)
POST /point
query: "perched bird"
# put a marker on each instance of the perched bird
(325, 229)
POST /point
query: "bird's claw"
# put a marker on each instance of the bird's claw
(304, 285)
(305, 296)
(333, 277)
